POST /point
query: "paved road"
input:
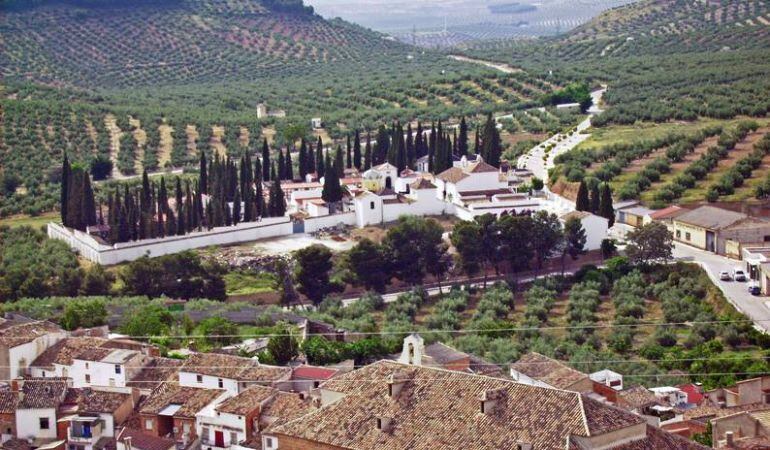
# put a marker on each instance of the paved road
(499, 66)
(754, 307)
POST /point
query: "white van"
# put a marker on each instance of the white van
(739, 274)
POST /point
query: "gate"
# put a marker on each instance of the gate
(298, 226)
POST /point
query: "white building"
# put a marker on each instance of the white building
(608, 378)
(36, 412)
(231, 373)
(106, 367)
(99, 412)
(21, 342)
(595, 227)
(469, 179)
(673, 396)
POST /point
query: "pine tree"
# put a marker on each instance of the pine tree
(302, 160)
(357, 151)
(368, 152)
(595, 198)
(265, 160)
(605, 205)
(582, 203)
(462, 139)
(63, 200)
(203, 176)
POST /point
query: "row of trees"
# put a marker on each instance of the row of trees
(599, 201)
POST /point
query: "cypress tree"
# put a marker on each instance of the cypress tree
(432, 148)
(209, 215)
(462, 139)
(410, 152)
(170, 224)
(319, 159)
(477, 143)
(89, 205)
(582, 203)
(302, 159)
(349, 155)
(401, 159)
(203, 177)
(310, 167)
(595, 198)
(178, 196)
(289, 166)
(124, 228)
(338, 163)
(332, 191)
(191, 216)
(259, 197)
(605, 204)
(248, 204)
(237, 208)
(277, 205)
(383, 146)
(368, 152)
(181, 225)
(491, 147)
(75, 199)
(281, 172)
(64, 189)
(265, 160)
(200, 214)
(357, 150)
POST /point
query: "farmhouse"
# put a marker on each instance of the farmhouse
(100, 366)
(22, 341)
(231, 373)
(719, 230)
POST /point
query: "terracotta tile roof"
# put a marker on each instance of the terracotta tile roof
(17, 444)
(422, 183)
(710, 411)
(444, 354)
(547, 370)
(247, 401)
(668, 213)
(97, 401)
(141, 441)
(93, 354)
(284, 407)
(452, 175)
(14, 335)
(191, 400)
(313, 373)
(439, 408)
(8, 401)
(637, 397)
(481, 167)
(233, 367)
(658, 439)
(43, 393)
(156, 370)
(63, 351)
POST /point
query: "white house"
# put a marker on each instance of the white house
(469, 178)
(595, 227)
(670, 395)
(232, 373)
(98, 413)
(56, 361)
(102, 366)
(231, 422)
(36, 413)
(608, 378)
(21, 342)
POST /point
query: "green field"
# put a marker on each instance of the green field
(35, 222)
(242, 283)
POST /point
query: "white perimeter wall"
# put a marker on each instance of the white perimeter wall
(313, 224)
(92, 250)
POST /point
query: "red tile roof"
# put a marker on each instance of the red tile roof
(313, 373)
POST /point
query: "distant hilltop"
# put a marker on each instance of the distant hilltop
(511, 8)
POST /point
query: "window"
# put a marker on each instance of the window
(44, 423)
(269, 442)
(371, 205)
(148, 424)
(117, 369)
(766, 238)
(87, 366)
(186, 428)
(220, 383)
(233, 438)
(687, 236)
(678, 234)
(199, 378)
(88, 378)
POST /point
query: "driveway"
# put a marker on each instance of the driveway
(736, 292)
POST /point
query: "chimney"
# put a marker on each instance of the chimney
(396, 382)
(384, 424)
(490, 400)
(729, 439)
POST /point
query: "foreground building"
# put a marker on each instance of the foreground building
(389, 405)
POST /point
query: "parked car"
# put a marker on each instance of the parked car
(739, 274)
(725, 276)
(754, 288)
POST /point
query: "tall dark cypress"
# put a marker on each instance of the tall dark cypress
(288, 166)
(368, 152)
(332, 191)
(89, 204)
(319, 158)
(410, 153)
(259, 197)
(281, 172)
(203, 177)
(582, 203)
(462, 139)
(265, 160)
(236, 208)
(595, 198)
(491, 147)
(338, 164)
(349, 154)
(178, 196)
(302, 159)
(477, 142)
(419, 142)
(310, 167)
(383, 146)
(64, 194)
(432, 138)
(357, 150)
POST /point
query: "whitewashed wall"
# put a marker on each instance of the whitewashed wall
(313, 224)
(92, 250)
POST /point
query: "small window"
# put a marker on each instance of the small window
(148, 424)
(220, 383)
(269, 442)
(316, 384)
(44, 423)
(88, 378)
(233, 438)
(87, 366)
(117, 369)
(371, 205)
(678, 234)
(687, 236)
(199, 378)
(766, 238)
